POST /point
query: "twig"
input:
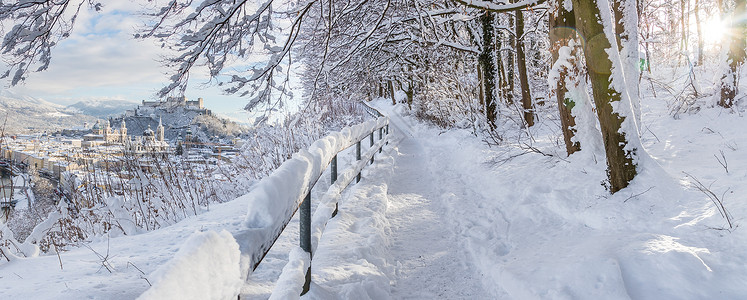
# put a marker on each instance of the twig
(534, 149)
(104, 259)
(649, 130)
(58, 256)
(723, 163)
(636, 195)
(718, 202)
(129, 263)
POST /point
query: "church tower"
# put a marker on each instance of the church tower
(159, 130)
(122, 131)
(96, 129)
(107, 131)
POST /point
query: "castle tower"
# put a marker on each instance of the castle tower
(159, 130)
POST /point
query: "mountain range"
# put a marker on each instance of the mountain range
(20, 114)
(101, 108)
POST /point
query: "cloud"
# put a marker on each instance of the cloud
(102, 61)
(100, 53)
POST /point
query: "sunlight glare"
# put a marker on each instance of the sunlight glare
(713, 31)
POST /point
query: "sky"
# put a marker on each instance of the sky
(101, 61)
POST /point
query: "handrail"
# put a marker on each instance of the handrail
(371, 110)
(276, 198)
(305, 217)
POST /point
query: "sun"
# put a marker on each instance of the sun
(714, 30)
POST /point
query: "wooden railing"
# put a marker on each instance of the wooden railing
(273, 202)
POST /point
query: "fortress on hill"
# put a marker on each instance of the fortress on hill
(172, 103)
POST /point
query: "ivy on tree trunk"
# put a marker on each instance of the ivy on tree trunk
(561, 22)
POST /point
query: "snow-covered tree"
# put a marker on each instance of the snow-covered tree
(564, 71)
(613, 104)
(737, 34)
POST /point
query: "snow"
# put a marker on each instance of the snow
(352, 261)
(292, 276)
(441, 215)
(278, 195)
(621, 67)
(205, 267)
(122, 267)
(533, 227)
(79, 273)
(58, 114)
(290, 283)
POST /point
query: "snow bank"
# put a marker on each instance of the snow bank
(290, 283)
(327, 204)
(352, 258)
(275, 198)
(205, 267)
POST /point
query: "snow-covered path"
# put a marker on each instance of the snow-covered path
(429, 261)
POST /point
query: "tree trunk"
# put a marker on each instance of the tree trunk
(526, 97)
(700, 33)
(501, 69)
(509, 84)
(627, 43)
(683, 23)
(391, 91)
(621, 166)
(487, 68)
(409, 92)
(561, 22)
(481, 88)
(736, 56)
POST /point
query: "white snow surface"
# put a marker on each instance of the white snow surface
(439, 215)
(205, 267)
(462, 223)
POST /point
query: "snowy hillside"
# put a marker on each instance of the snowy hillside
(101, 108)
(27, 114)
(178, 122)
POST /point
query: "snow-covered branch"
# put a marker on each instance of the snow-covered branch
(500, 6)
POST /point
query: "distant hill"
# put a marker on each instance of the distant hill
(101, 108)
(24, 114)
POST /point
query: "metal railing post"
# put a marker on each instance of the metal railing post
(381, 135)
(305, 235)
(371, 140)
(333, 175)
(358, 157)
